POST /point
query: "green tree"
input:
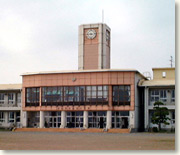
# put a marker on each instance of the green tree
(160, 114)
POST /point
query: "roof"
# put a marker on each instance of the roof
(81, 71)
(157, 83)
(164, 68)
(10, 86)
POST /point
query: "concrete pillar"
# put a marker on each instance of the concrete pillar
(146, 110)
(85, 120)
(131, 119)
(24, 117)
(14, 99)
(63, 119)
(15, 117)
(109, 120)
(41, 123)
(6, 100)
(6, 118)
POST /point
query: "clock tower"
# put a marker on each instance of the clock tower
(94, 47)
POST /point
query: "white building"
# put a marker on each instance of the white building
(161, 88)
(10, 105)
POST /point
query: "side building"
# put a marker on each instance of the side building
(10, 105)
(103, 98)
(161, 88)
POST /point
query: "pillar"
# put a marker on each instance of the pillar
(41, 123)
(146, 110)
(24, 117)
(6, 118)
(85, 120)
(6, 100)
(131, 119)
(63, 119)
(109, 120)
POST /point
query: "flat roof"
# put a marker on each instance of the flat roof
(81, 71)
(157, 83)
(164, 68)
(10, 86)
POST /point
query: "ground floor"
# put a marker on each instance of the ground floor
(171, 121)
(9, 118)
(78, 119)
(86, 141)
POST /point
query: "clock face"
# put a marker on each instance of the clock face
(91, 34)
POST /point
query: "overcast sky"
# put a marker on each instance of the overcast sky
(42, 35)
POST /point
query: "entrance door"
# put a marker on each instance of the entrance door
(53, 123)
(79, 122)
(125, 122)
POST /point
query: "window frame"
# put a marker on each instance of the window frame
(2, 95)
(31, 101)
(2, 117)
(119, 96)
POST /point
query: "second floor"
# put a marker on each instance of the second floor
(10, 99)
(165, 95)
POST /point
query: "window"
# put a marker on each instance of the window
(18, 117)
(163, 74)
(163, 95)
(95, 117)
(82, 94)
(173, 95)
(120, 119)
(2, 98)
(75, 119)
(97, 94)
(11, 117)
(2, 119)
(121, 95)
(76, 95)
(52, 95)
(32, 96)
(173, 117)
(158, 95)
(69, 94)
(11, 98)
(53, 119)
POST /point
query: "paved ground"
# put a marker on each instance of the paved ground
(85, 141)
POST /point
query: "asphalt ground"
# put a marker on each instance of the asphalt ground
(86, 141)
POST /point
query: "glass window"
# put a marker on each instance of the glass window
(75, 119)
(100, 88)
(82, 94)
(11, 98)
(95, 117)
(11, 117)
(2, 119)
(120, 119)
(173, 95)
(32, 96)
(2, 98)
(158, 95)
(121, 95)
(77, 95)
(18, 117)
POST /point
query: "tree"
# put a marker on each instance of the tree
(160, 114)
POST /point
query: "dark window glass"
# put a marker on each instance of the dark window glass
(32, 96)
(121, 95)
